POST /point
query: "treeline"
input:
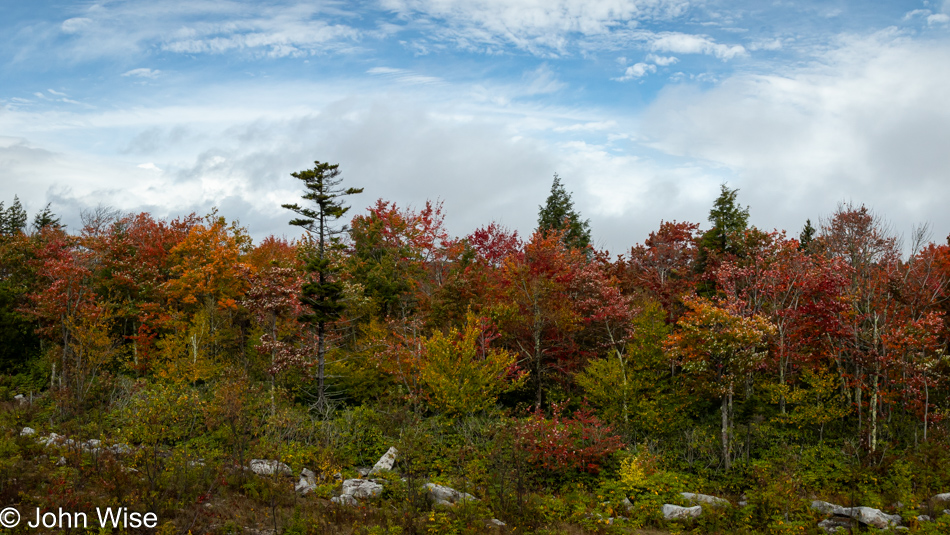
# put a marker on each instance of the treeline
(706, 347)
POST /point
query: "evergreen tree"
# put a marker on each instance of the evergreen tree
(323, 293)
(13, 219)
(806, 237)
(558, 214)
(729, 221)
(46, 218)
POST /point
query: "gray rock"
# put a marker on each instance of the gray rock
(873, 517)
(120, 449)
(385, 462)
(496, 522)
(675, 512)
(944, 497)
(308, 482)
(52, 438)
(705, 498)
(304, 486)
(61, 461)
(264, 467)
(21, 399)
(27, 431)
(828, 508)
(345, 499)
(865, 515)
(442, 495)
(924, 518)
(361, 489)
(835, 524)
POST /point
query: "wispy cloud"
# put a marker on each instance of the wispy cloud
(404, 76)
(684, 43)
(544, 28)
(637, 70)
(143, 73)
(203, 27)
(662, 61)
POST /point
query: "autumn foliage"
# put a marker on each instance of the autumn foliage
(711, 353)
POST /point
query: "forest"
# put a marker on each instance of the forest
(514, 383)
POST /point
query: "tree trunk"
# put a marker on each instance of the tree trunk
(873, 407)
(725, 430)
(926, 406)
(321, 360)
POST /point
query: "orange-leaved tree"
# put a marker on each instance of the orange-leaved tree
(719, 347)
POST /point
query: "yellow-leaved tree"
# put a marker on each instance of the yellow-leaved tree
(462, 374)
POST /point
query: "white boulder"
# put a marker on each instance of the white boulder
(675, 512)
(828, 508)
(874, 517)
(385, 462)
(705, 498)
(442, 495)
(264, 467)
(361, 489)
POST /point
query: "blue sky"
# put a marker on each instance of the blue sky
(643, 107)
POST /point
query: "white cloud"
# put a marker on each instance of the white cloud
(767, 44)
(593, 126)
(915, 13)
(543, 27)
(938, 18)
(404, 76)
(684, 43)
(149, 166)
(125, 29)
(541, 81)
(637, 70)
(662, 61)
(867, 122)
(75, 25)
(143, 73)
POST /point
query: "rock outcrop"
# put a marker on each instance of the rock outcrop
(705, 498)
(865, 515)
(385, 462)
(308, 482)
(675, 512)
(263, 467)
(355, 490)
(442, 495)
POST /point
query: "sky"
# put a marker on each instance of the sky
(642, 107)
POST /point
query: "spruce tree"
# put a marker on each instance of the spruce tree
(558, 214)
(726, 237)
(729, 221)
(46, 218)
(806, 237)
(323, 293)
(13, 219)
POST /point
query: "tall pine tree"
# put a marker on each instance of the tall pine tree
(558, 214)
(323, 293)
